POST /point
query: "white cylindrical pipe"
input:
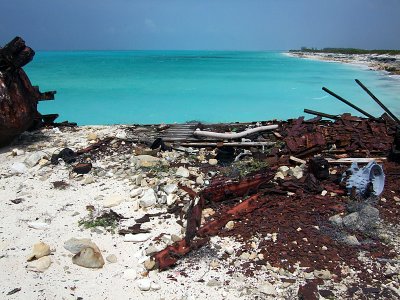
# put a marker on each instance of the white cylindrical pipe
(233, 135)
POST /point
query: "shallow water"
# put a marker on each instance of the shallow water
(125, 87)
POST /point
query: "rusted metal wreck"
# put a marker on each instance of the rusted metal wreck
(18, 98)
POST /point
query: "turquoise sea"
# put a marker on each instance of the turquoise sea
(127, 87)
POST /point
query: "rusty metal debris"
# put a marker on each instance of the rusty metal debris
(18, 98)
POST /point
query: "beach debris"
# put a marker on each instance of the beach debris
(67, 155)
(378, 101)
(144, 284)
(13, 291)
(39, 265)
(366, 180)
(233, 135)
(18, 98)
(39, 250)
(319, 167)
(112, 259)
(39, 225)
(136, 238)
(82, 168)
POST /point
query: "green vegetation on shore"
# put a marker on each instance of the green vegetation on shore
(347, 51)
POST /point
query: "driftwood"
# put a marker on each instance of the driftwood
(18, 98)
(233, 135)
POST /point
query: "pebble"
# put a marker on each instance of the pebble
(230, 225)
(33, 159)
(155, 286)
(182, 172)
(324, 192)
(323, 274)
(212, 162)
(214, 282)
(397, 199)
(245, 255)
(175, 238)
(18, 168)
(38, 225)
(149, 264)
(283, 170)
(267, 288)
(112, 259)
(136, 192)
(39, 250)
(229, 250)
(151, 250)
(170, 188)
(89, 258)
(149, 198)
(40, 265)
(112, 201)
(171, 199)
(214, 264)
(144, 284)
(351, 240)
(130, 274)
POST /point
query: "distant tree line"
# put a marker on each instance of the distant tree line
(347, 51)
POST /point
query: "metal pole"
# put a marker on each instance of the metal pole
(377, 101)
(348, 103)
(321, 114)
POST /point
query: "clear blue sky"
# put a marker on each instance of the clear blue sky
(201, 24)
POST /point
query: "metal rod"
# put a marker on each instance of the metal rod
(321, 114)
(348, 103)
(378, 101)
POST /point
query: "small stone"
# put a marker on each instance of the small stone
(351, 221)
(274, 237)
(324, 192)
(40, 265)
(214, 282)
(182, 172)
(136, 238)
(336, 220)
(200, 180)
(230, 225)
(121, 134)
(170, 188)
(397, 199)
(351, 240)
(283, 170)
(253, 255)
(144, 284)
(136, 192)
(39, 250)
(18, 168)
(245, 255)
(151, 250)
(145, 161)
(324, 248)
(155, 286)
(267, 288)
(112, 259)
(130, 274)
(296, 172)
(38, 225)
(323, 274)
(17, 152)
(175, 238)
(149, 264)
(279, 175)
(33, 159)
(212, 162)
(149, 198)
(229, 250)
(92, 136)
(88, 179)
(89, 258)
(214, 264)
(112, 201)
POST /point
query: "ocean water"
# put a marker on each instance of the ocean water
(130, 87)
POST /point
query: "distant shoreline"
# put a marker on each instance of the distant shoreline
(377, 62)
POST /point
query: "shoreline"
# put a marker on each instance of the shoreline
(390, 64)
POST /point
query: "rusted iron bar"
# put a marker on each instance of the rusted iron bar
(321, 114)
(377, 101)
(348, 103)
